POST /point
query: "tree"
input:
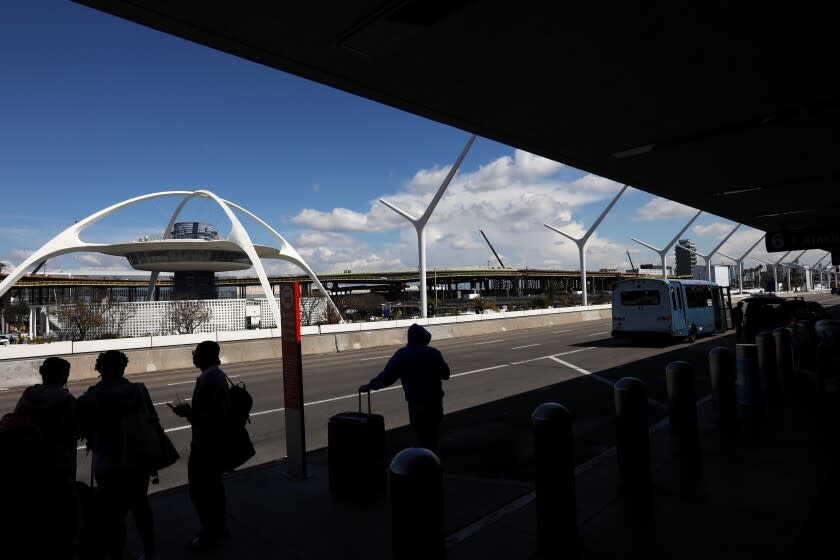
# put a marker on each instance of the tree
(187, 315)
(312, 310)
(361, 306)
(16, 313)
(116, 315)
(80, 318)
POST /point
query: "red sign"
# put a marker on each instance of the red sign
(290, 331)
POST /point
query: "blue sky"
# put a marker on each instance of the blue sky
(95, 110)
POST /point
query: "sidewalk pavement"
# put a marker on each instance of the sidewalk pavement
(768, 490)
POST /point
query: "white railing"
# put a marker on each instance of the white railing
(19, 351)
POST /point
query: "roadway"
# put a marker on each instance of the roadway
(496, 382)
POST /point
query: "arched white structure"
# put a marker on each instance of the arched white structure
(68, 241)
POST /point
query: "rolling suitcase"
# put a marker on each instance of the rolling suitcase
(356, 454)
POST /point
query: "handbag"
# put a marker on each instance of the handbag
(145, 444)
(238, 449)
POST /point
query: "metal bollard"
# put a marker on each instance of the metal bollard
(747, 383)
(417, 528)
(632, 436)
(722, 373)
(767, 370)
(784, 356)
(557, 535)
(682, 408)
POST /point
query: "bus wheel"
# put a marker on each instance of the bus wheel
(692, 334)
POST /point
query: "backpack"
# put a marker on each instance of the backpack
(24, 444)
(240, 401)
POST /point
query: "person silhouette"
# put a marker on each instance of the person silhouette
(421, 368)
(738, 321)
(209, 416)
(122, 487)
(44, 425)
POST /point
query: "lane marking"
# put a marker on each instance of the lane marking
(561, 332)
(550, 355)
(168, 402)
(480, 370)
(603, 379)
(578, 369)
(525, 346)
(193, 380)
(599, 333)
(489, 342)
(376, 358)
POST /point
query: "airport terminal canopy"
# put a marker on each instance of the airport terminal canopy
(732, 110)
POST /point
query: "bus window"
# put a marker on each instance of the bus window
(698, 296)
(640, 297)
(674, 299)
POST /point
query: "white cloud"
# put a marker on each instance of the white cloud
(716, 229)
(342, 219)
(660, 209)
(509, 198)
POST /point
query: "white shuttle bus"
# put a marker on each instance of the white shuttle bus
(647, 307)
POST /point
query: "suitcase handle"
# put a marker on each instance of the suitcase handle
(360, 401)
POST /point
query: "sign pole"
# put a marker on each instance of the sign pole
(293, 379)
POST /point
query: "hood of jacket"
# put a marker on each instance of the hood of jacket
(44, 397)
(418, 335)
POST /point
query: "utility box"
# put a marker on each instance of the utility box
(252, 315)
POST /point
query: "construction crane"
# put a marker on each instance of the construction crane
(633, 268)
(491, 248)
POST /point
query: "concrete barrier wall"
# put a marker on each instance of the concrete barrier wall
(19, 364)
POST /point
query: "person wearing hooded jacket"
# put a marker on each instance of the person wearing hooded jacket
(421, 369)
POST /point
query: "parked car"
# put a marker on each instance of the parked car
(767, 312)
(762, 313)
(799, 309)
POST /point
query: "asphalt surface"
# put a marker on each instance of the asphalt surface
(497, 381)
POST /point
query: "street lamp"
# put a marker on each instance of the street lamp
(581, 242)
(740, 263)
(663, 253)
(420, 223)
(708, 257)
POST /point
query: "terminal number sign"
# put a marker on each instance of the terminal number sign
(804, 239)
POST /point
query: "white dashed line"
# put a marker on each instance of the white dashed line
(375, 358)
(602, 379)
(193, 381)
(526, 346)
(599, 333)
(551, 355)
(490, 342)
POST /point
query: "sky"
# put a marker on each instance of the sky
(95, 110)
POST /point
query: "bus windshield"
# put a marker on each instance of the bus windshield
(640, 297)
